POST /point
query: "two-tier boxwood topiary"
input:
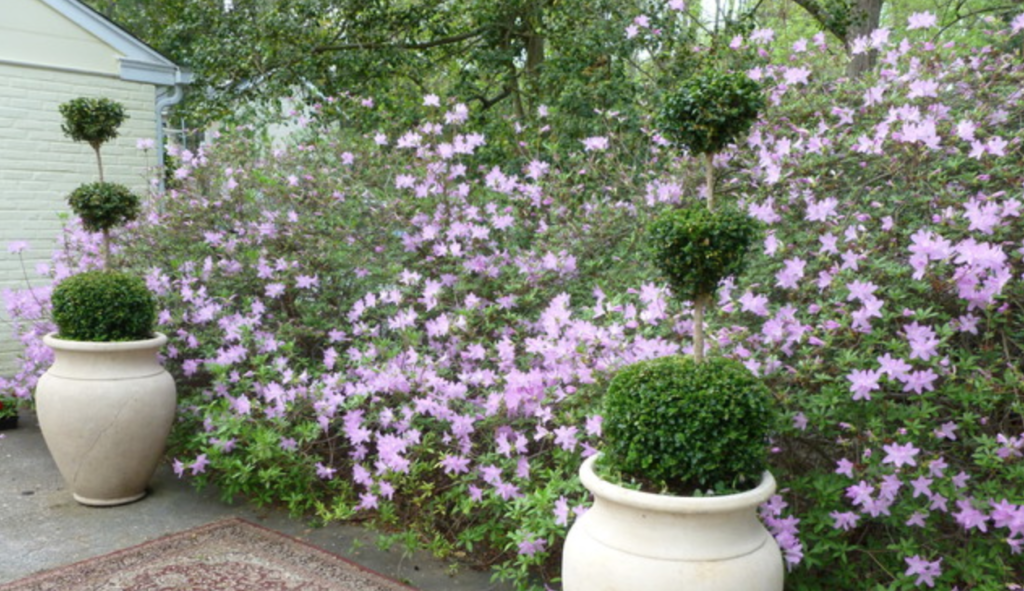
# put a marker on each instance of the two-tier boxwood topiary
(680, 426)
(103, 306)
(709, 111)
(102, 205)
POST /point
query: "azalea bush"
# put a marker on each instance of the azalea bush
(387, 328)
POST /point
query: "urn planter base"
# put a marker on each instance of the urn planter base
(105, 410)
(631, 541)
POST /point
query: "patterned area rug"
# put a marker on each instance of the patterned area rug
(229, 555)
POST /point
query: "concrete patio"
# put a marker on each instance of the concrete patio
(42, 527)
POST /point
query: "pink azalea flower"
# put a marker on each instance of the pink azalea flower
(921, 20)
(924, 570)
(863, 382)
(900, 455)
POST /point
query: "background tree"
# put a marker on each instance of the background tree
(505, 58)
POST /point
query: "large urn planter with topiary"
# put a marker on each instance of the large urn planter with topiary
(678, 486)
(684, 464)
(106, 405)
(105, 410)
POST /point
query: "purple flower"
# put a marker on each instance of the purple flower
(859, 493)
(790, 276)
(199, 466)
(917, 519)
(893, 367)
(969, 517)
(900, 455)
(366, 501)
(755, 304)
(531, 546)
(946, 431)
(921, 486)
(861, 290)
(923, 341)
(561, 511)
(844, 467)
(324, 472)
(863, 382)
(17, 247)
(920, 381)
(565, 437)
(844, 521)
(921, 20)
(455, 464)
(924, 570)
(592, 144)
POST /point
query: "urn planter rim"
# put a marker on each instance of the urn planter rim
(610, 491)
(53, 341)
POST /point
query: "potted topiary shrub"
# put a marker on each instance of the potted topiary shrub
(106, 405)
(677, 486)
(683, 467)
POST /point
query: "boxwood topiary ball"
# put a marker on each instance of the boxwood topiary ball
(92, 120)
(103, 306)
(686, 426)
(695, 248)
(710, 110)
(102, 206)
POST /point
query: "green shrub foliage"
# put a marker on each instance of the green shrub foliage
(103, 306)
(710, 110)
(102, 206)
(684, 425)
(695, 248)
(92, 120)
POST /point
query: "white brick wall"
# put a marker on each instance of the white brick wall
(39, 166)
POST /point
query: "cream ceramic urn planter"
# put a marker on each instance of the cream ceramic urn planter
(105, 410)
(632, 541)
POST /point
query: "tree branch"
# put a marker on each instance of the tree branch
(960, 17)
(424, 45)
(488, 103)
(817, 12)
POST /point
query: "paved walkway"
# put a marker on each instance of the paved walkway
(42, 527)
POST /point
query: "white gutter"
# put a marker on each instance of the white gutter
(167, 97)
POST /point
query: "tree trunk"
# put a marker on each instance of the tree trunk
(99, 161)
(709, 178)
(534, 61)
(698, 327)
(106, 249)
(534, 54)
(866, 16)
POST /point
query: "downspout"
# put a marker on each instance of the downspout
(164, 101)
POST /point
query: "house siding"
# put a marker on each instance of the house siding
(39, 166)
(32, 32)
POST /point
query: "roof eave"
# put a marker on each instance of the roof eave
(141, 63)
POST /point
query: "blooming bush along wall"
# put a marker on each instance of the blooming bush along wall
(393, 328)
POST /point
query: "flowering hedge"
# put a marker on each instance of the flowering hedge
(392, 328)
